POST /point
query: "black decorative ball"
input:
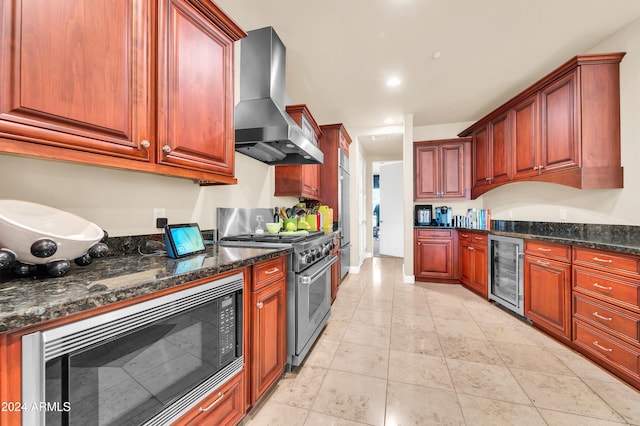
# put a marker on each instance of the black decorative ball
(24, 269)
(44, 248)
(58, 268)
(7, 259)
(83, 260)
(98, 250)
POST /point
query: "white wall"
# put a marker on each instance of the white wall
(122, 202)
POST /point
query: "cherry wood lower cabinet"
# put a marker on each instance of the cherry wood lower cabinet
(473, 258)
(268, 341)
(436, 255)
(226, 406)
(547, 287)
(606, 310)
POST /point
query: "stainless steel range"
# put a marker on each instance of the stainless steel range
(308, 279)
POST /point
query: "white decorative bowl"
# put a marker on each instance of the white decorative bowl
(22, 223)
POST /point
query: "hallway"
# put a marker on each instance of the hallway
(403, 354)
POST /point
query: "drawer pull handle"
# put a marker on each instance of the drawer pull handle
(477, 238)
(465, 235)
(596, 285)
(272, 271)
(542, 263)
(470, 248)
(259, 305)
(595, 314)
(210, 406)
(598, 345)
(597, 259)
(544, 249)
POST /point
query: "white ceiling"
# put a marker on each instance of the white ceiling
(341, 52)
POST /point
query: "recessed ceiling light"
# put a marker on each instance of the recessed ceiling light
(388, 120)
(394, 82)
(436, 55)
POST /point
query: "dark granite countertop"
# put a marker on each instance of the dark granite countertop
(28, 301)
(618, 238)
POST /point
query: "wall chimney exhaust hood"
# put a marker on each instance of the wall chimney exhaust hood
(264, 130)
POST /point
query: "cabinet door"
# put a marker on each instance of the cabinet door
(547, 298)
(434, 258)
(195, 90)
(559, 142)
(524, 122)
(452, 180)
(481, 157)
(466, 260)
(426, 171)
(310, 181)
(500, 152)
(76, 74)
(269, 340)
(480, 270)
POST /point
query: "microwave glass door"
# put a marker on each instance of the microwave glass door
(132, 377)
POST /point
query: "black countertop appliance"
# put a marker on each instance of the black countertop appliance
(422, 214)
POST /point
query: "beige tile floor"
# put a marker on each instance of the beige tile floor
(404, 354)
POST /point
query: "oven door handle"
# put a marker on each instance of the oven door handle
(308, 279)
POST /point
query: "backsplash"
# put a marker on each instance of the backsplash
(122, 246)
(577, 231)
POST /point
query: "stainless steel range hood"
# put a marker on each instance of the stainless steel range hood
(264, 130)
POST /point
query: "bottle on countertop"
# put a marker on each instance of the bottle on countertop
(259, 224)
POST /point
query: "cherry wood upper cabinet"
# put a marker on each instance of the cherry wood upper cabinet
(563, 129)
(441, 169)
(76, 74)
(525, 124)
(300, 180)
(141, 85)
(195, 89)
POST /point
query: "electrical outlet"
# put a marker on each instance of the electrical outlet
(158, 213)
(563, 214)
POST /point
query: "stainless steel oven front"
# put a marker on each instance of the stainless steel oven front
(147, 363)
(311, 290)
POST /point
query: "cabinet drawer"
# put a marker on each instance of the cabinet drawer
(621, 323)
(618, 290)
(606, 347)
(434, 233)
(606, 260)
(267, 272)
(476, 238)
(559, 252)
(223, 407)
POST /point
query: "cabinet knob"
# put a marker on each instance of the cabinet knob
(535, 167)
(145, 144)
(541, 167)
(259, 305)
(166, 148)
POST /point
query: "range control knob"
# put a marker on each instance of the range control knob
(325, 251)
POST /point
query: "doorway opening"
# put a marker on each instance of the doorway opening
(387, 209)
